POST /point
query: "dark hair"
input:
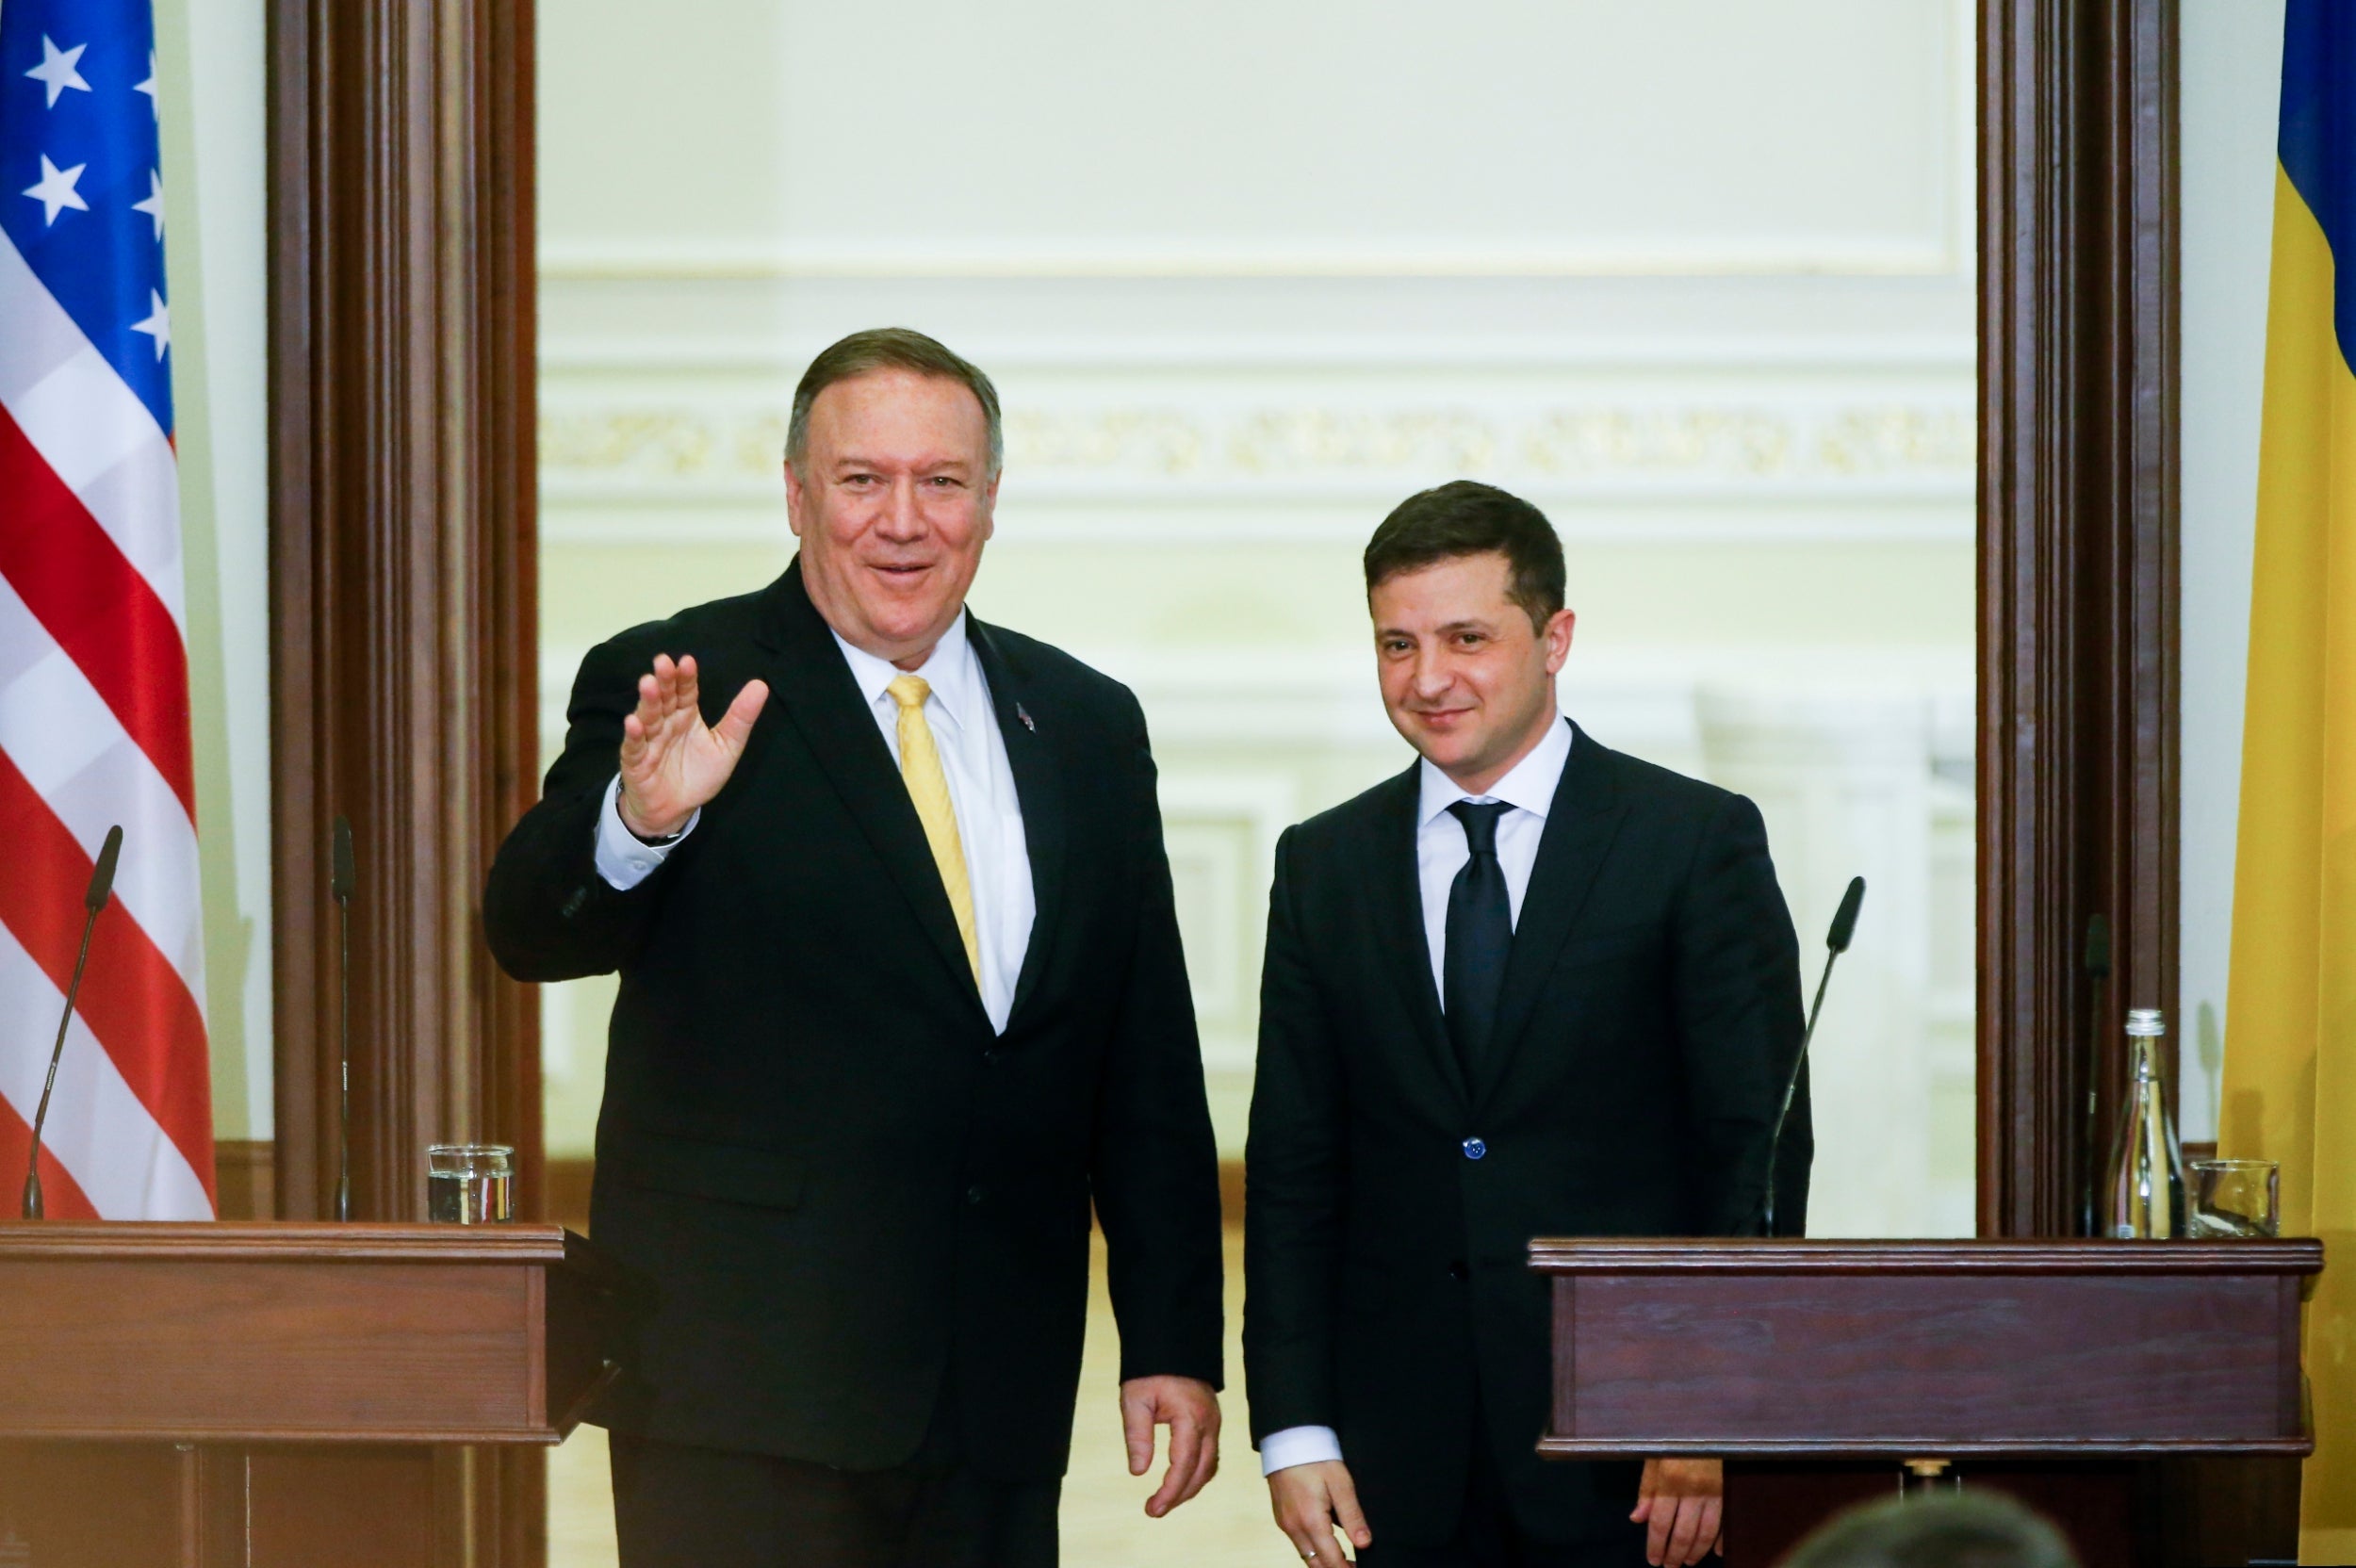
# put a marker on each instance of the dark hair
(890, 349)
(1467, 517)
(1963, 1529)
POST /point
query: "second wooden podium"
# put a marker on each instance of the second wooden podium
(267, 1394)
(2059, 1370)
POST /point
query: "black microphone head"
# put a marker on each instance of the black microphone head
(102, 876)
(1844, 919)
(343, 876)
(2098, 946)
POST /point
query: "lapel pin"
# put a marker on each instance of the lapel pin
(1025, 717)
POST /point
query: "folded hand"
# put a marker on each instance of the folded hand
(1189, 1408)
(1681, 1499)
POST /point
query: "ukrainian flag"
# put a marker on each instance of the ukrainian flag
(2290, 1067)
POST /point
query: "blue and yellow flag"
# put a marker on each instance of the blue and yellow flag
(2290, 1066)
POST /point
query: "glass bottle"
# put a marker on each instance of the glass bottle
(2146, 1195)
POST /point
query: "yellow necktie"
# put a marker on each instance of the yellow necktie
(928, 788)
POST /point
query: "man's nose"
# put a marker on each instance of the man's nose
(902, 518)
(1433, 676)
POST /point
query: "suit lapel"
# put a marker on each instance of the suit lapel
(824, 700)
(1400, 942)
(1038, 786)
(1582, 822)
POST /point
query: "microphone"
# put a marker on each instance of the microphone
(1835, 943)
(342, 878)
(101, 885)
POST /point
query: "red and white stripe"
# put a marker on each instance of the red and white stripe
(95, 731)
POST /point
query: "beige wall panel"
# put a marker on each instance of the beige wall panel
(1694, 277)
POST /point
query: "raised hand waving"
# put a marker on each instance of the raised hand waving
(672, 761)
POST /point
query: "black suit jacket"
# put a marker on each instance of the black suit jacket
(1649, 1018)
(835, 1185)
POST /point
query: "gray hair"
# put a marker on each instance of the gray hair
(891, 349)
(1962, 1529)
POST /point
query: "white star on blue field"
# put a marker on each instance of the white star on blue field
(81, 176)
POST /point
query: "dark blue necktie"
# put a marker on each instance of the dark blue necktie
(1480, 938)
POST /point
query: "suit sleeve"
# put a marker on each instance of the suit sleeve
(547, 913)
(1154, 1171)
(1737, 980)
(1296, 1165)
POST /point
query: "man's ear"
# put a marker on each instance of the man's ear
(1559, 627)
(794, 499)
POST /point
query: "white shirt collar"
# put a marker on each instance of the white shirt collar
(949, 670)
(1529, 784)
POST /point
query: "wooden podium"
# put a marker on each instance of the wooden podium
(277, 1396)
(1824, 1371)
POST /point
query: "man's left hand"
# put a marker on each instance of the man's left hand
(1189, 1408)
(1681, 1499)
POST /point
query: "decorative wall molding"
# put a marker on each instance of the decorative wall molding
(695, 452)
(1939, 251)
(1238, 350)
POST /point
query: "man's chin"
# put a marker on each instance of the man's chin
(896, 620)
(1448, 753)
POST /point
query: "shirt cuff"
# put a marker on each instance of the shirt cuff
(624, 859)
(1298, 1446)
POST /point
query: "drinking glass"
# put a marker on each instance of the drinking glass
(2235, 1200)
(470, 1184)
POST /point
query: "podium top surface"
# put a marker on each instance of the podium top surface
(285, 1241)
(1862, 1348)
(1687, 1256)
(298, 1332)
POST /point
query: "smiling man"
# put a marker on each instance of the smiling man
(901, 1000)
(1529, 987)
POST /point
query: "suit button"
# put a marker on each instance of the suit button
(1458, 1271)
(992, 1056)
(1474, 1148)
(974, 1195)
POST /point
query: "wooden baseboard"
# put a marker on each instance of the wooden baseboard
(567, 1186)
(245, 1183)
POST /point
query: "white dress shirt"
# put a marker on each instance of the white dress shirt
(981, 793)
(1440, 852)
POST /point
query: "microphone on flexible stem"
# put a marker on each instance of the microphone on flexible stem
(342, 878)
(1835, 943)
(102, 884)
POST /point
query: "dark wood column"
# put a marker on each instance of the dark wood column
(403, 619)
(2078, 559)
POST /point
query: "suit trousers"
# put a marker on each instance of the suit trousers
(676, 1505)
(1488, 1536)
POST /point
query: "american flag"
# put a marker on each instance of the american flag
(93, 638)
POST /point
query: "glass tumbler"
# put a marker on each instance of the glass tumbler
(470, 1184)
(2236, 1199)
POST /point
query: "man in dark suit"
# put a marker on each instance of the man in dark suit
(901, 997)
(1529, 987)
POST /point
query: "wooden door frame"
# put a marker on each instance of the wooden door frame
(2078, 576)
(403, 624)
(404, 581)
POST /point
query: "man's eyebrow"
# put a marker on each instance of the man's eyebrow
(1456, 626)
(935, 466)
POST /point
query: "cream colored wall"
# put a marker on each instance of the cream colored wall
(2229, 87)
(210, 55)
(1696, 278)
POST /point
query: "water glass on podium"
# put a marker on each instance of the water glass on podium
(470, 1184)
(2235, 1200)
